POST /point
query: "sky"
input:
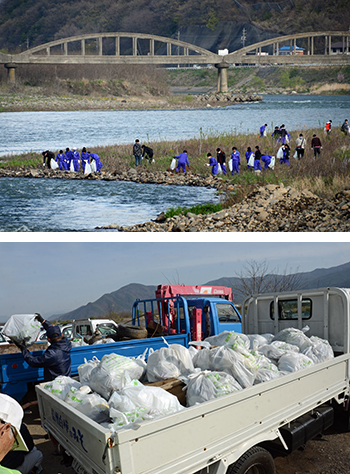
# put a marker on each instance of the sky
(52, 277)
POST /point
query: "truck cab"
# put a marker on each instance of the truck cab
(87, 327)
(199, 317)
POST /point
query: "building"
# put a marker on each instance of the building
(284, 50)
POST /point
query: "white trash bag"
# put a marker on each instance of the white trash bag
(319, 351)
(93, 166)
(251, 160)
(279, 153)
(294, 336)
(137, 402)
(169, 362)
(22, 328)
(173, 164)
(84, 370)
(53, 164)
(87, 168)
(109, 374)
(61, 385)
(208, 385)
(91, 404)
(292, 362)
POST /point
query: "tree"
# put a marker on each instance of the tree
(256, 278)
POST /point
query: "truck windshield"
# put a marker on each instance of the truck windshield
(227, 313)
(106, 329)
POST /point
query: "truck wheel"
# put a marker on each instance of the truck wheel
(255, 461)
(131, 332)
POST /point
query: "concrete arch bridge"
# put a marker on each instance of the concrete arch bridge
(307, 49)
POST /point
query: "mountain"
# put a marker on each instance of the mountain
(28, 23)
(118, 301)
(121, 301)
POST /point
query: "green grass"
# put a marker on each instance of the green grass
(198, 209)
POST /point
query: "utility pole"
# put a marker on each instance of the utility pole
(243, 37)
(178, 48)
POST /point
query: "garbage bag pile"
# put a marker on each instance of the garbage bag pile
(113, 391)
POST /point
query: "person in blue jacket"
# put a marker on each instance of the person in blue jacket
(60, 159)
(69, 158)
(236, 159)
(99, 165)
(56, 359)
(266, 159)
(76, 159)
(213, 163)
(262, 130)
(248, 154)
(85, 158)
(257, 157)
(183, 161)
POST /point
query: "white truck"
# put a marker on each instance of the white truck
(238, 433)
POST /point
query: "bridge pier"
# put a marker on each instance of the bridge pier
(11, 76)
(222, 76)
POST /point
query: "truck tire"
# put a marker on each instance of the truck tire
(131, 332)
(255, 461)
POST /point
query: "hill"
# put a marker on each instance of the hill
(28, 23)
(121, 301)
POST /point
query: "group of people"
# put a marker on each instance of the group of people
(18, 455)
(141, 152)
(70, 160)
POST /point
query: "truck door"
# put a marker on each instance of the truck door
(225, 317)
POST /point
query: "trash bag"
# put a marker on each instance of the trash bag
(224, 359)
(61, 385)
(277, 349)
(169, 362)
(84, 370)
(91, 404)
(136, 402)
(208, 385)
(229, 338)
(292, 362)
(219, 169)
(251, 160)
(23, 329)
(319, 351)
(71, 166)
(109, 374)
(230, 167)
(295, 155)
(173, 164)
(258, 340)
(93, 166)
(294, 336)
(53, 164)
(279, 155)
(265, 375)
(87, 168)
(271, 165)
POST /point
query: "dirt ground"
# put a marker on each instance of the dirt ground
(329, 454)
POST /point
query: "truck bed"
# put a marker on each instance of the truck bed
(211, 435)
(16, 373)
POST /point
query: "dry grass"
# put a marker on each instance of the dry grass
(324, 176)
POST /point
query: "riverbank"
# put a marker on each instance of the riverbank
(269, 208)
(28, 102)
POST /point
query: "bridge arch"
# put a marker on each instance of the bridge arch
(255, 53)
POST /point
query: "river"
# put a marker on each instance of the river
(37, 131)
(58, 205)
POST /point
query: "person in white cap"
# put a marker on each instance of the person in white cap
(13, 446)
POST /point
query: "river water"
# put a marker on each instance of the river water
(25, 131)
(58, 205)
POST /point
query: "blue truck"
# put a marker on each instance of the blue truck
(172, 320)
